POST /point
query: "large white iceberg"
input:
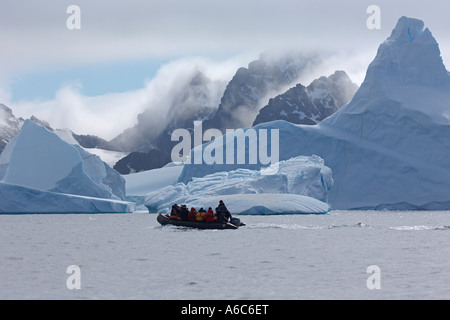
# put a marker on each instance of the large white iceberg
(389, 147)
(301, 185)
(50, 169)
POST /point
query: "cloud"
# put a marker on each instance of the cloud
(136, 29)
(109, 114)
(101, 115)
(5, 91)
(353, 63)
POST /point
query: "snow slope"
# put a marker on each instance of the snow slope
(389, 147)
(108, 156)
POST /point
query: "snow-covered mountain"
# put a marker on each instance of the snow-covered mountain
(251, 88)
(388, 147)
(9, 126)
(310, 105)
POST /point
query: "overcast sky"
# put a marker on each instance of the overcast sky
(122, 44)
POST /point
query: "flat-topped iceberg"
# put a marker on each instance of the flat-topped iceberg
(264, 204)
(306, 180)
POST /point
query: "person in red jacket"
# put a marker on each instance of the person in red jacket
(209, 217)
(192, 215)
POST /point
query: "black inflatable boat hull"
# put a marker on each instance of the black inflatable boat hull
(164, 219)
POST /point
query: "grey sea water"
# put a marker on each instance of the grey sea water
(130, 256)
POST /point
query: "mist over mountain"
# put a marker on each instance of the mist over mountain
(251, 87)
(218, 104)
(194, 94)
(183, 93)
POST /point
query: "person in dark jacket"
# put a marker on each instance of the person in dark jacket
(184, 213)
(223, 215)
(175, 213)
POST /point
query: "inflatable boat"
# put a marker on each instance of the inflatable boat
(165, 219)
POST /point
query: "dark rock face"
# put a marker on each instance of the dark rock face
(251, 87)
(91, 141)
(310, 105)
(139, 161)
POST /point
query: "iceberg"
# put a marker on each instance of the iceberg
(389, 146)
(137, 185)
(22, 200)
(264, 204)
(301, 185)
(141, 183)
(38, 163)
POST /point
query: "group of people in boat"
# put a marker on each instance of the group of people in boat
(220, 215)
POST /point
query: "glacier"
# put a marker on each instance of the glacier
(388, 148)
(43, 173)
(301, 185)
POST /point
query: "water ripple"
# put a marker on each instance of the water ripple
(420, 228)
(304, 227)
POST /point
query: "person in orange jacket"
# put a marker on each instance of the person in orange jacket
(201, 215)
(192, 215)
(209, 216)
